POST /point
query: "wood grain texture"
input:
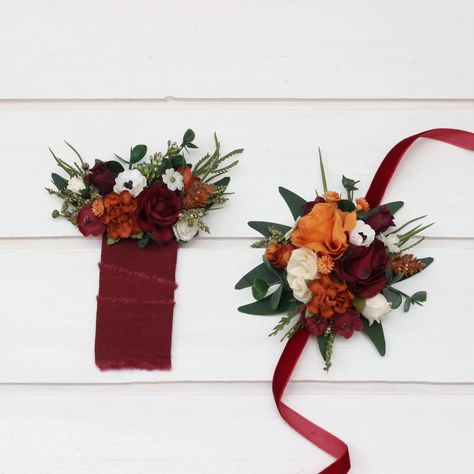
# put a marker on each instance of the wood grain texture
(154, 49)
(48, 320)
(235, 428)
(280, 141)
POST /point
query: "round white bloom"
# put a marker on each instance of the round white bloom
(76, 185)
(173, 179)
(301, 267)
(391, 242)
(183, 231)
(362, 234)
(130, 180)
(376, 308)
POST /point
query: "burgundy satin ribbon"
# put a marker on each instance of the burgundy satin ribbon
(294, 347)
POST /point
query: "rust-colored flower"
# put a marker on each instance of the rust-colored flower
(324, 229)
(325, 264)
(330, 297)
(198, 195)
(98, 207)
(362, 204)
(279, 254)
(332, 196)
(119, 210)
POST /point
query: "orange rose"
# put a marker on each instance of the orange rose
(119, 210)
(332, 196)
(279, 254)
(324, 229)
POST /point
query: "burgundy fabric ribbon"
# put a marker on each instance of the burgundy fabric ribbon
(294, 347)
(135, 306)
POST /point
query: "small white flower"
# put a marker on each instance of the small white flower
(376, 308)
(130, 180)
(76, 185)
(301, 267)
(391, 242)
(173, 179)
(183, 231)
(362, 234)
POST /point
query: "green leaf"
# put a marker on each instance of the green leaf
(323, 173)
(188, 137)
(60, 182)
(419, 296)
(294, 202)
(346, 205)
(138, 235)
(375, 334)
(393, 207)
(138, 153)
(263, 227)
(111, 241)
(114, 166)
(222, 182)
(349, 184)
(259, 289)
(394, 298)
(323, 345)
(191, 145)
(144, 241)
(276, 297)
(261, 272)
(177, 161)
(406, 306)
(264, 307)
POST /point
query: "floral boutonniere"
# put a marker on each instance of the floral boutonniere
(334, 272)
(157, 197)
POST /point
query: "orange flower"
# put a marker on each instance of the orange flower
(198, 195)
(324, 229)
(279, 254)
(332, 196)
(330, 297)
(325, 264)
(119, 215)
(98, 207)
(362, 204)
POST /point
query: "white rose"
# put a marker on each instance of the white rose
(130, 180)
(301, 267)
(376, 308)
(183, 231)
(362, 234)
(76, 185)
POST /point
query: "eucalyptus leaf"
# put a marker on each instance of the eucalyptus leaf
(375, 334)
(60, 182)
(406, 306)
(144, 241)
(294, 202)
(188, 137)
(259, 289)
(394, 298)
(262, 272)
(263, 227)
(111, 241)
(276, 297)
(264, 307)
(419, 296)
(138, 153)
(114, 166)
(393, 207)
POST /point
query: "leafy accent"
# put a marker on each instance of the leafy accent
(114, 166)
(137, 153)
(276, 297)
(60, 182)
(393, 207)
(375, 334)
(259, 272)
(323, 173)
(264, 227)
(294, 202)
(264, 307)
(394, 298)
(260, 289)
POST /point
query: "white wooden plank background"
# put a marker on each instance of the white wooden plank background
(279, 78)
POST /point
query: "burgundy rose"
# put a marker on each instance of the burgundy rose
(381, 220)
(158, 209)
(316, 325)
(346, 323)
(101, 177)
(88, 223)
(363, 268)
(308, 207)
